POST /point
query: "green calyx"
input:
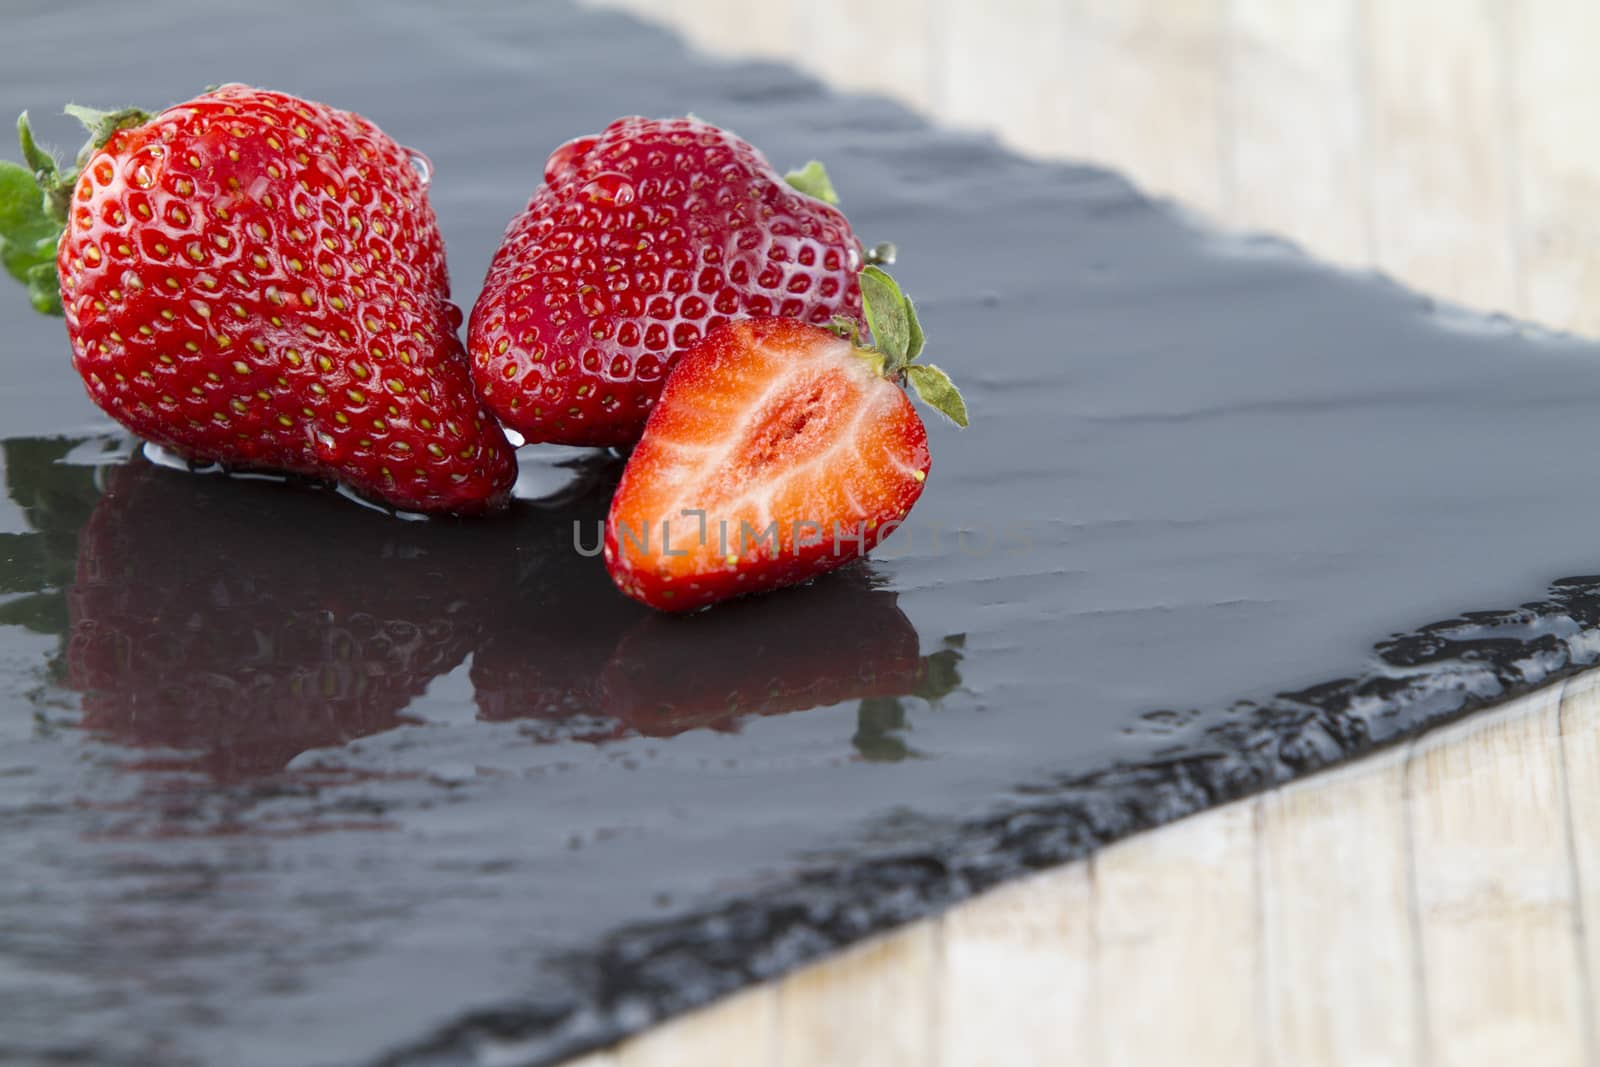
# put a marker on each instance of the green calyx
(812, 179)
(897, 341)
(897, 337)
(35, 195)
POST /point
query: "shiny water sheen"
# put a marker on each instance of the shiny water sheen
(286, 781)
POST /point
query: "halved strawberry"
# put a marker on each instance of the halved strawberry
(778, 450)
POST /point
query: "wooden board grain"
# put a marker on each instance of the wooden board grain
(1496, 915)
(1175, 916)
(874, 1003)
(1338, 941)
(1018, 973)
(1299, 136)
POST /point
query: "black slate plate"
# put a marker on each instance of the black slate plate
(288, 782)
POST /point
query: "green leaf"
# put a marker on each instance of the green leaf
(103, 124)
(886, 316)
(42, 162)
(938, 392)
(812, 179)
(880, 726)
(34, 201)
(27, 233)
(21, 201)
(54, 186)
(17, 261)
(918, 339)
(44, 289)
(939, 676)
(846, 327)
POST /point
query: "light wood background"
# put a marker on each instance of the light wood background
(1437, 905)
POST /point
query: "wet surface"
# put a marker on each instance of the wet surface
(285, 781)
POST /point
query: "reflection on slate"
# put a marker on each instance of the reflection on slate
(286, 781)
(295, 627)
(308, 623)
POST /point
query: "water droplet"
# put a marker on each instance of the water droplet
(852, 261)
(145, 167)
(565, 159)
(613, 189)
(421, 164)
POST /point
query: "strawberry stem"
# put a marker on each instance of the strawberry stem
(34, 200)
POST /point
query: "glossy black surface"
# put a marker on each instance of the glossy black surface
(285, 781)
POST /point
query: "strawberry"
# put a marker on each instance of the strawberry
(257, 280)
(641, 241)
(778, 450)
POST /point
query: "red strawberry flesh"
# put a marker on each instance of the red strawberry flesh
(798, 452)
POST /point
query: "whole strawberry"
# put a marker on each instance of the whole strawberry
(258, 280)
(640, 242)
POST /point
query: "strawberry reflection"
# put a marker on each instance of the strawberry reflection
(223, 627)
(568, 650)
(244, 623)
(883, 719)
(548, 638)
(36, 563)
(843, 638)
